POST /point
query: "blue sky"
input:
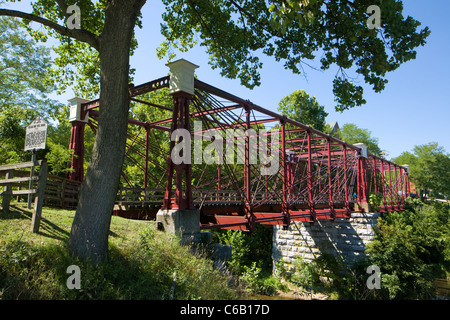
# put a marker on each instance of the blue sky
(414, 108)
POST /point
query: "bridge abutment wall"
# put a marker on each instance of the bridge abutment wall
(343, 238)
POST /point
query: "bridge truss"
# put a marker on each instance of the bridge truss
(311, 175)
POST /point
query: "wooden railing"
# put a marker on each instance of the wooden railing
(13, 186)
(21, 180)
(61, 192)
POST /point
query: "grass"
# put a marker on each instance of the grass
(143, 262)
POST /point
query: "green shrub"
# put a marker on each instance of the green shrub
(411, 248)
(252, 259)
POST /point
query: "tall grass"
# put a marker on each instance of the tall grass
(143, 263)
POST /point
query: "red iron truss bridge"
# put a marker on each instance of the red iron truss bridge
(317, 175)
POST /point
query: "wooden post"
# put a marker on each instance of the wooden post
(39, 200)
(63, 192)
(30, 185)
(8, 191)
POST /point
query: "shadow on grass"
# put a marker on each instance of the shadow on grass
(47, 228)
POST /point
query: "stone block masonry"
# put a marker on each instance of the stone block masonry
(344, 238)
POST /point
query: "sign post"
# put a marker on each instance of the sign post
(35, 139)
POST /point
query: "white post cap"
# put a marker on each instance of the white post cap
(75, 109)
(406, 166)
(181, 76)
(363, 148)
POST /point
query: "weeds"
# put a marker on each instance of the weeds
(33, 266)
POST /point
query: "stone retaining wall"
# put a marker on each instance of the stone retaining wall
(342, 237)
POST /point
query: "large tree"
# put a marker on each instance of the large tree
(429, 167)
(235, 33)
(352, 134)
(24, 88)
(303, 108)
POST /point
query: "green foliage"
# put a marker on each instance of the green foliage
(352, 134)
(295, 32)
(252, 259)
(412, 249)
(248, 249)
(301, 107)
(77, 64)
(375, 201)
(23, 66)
(429, 167)
(323, 274)
(58, 158)
(24, 90)
(141, 264)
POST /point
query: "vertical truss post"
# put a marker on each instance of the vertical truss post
(407, 187)
(183, 195)
(147, 131)
(375, 175)
(402, 186)
(285, 176)
(347, 203)
(384, 185)
(309, 181)
(78, 118)
(390, 185)
(219, 178)
(330, 185)
(266, 184)
(362, 177)
(319, 178)
(77, 145)
(247, 174)
(396, 187)
(182, 90)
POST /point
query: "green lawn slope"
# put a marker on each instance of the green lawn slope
(143, 262)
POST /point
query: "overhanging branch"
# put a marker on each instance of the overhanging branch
(78, 34)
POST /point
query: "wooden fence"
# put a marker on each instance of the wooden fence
(21, 180)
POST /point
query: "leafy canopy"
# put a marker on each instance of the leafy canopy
(77, 63)
(24, 89)
(429, 167)
(236, 32)
(299, 106)
(352, 134)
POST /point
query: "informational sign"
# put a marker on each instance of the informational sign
(36, 135)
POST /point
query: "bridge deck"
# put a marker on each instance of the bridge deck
(231, 214)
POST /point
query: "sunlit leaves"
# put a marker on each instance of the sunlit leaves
(317, 33)
(303, 108)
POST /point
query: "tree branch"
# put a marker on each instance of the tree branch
(78, 34)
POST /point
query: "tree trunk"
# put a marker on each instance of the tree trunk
(90, 228)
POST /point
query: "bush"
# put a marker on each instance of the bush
(252, 259)
(411, 249)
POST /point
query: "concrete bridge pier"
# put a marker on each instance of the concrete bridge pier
(182, 223)
(345, 238)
